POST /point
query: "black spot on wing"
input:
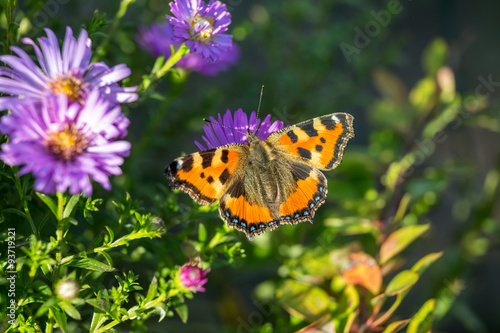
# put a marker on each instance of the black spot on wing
(202, 175)
(310, 130)
(319, 148)
(224, 157)
(207, 157)
(322, 140)
(210, 179)
(328, 123)
(187, 163)
(292, 136)
(224, 176)
(304, 153)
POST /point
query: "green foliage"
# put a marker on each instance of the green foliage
(111, 262)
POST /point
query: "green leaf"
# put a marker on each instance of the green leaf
(423, 96)
(49, 202)
(399, 240)
(425, 262)
(60, 318)
(401, 282)
(13, 211)
(202, 233)
(98, 319)
(435, 56)
(422, 320)
(99, 304)
(111, 234)
(71, 205)
(70, 309)
(302, 300)
(396, 326)
(108, 258)
(182, 311)
(153, 288)
(91, 264)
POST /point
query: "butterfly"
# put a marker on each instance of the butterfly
(266, 183)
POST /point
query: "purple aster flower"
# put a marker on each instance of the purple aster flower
(235, 131)
(158, 39)
(201, 26)
(64, 144)
(192, 276)
(67, 71)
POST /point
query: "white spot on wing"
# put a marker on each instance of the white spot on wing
(334, 117)
(179, 164)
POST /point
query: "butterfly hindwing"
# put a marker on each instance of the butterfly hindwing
(237, 210)
(205, 175)
(319, 141)
(308, 192)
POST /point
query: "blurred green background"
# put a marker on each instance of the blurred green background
(297, 49)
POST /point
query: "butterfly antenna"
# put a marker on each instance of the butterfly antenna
(221, 125)
(260, 99)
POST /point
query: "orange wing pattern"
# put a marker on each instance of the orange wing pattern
(319, 141)
(309, 193)
(205, 175)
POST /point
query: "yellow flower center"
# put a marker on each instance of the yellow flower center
(66, 144)
(208, 24)
(70, 85)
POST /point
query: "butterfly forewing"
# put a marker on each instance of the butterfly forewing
(320, 141)
(205, 175)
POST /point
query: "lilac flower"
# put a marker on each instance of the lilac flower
(192, 276)
(235, 131)
(201, 26)
(68, 71)
(64, 144)
(158, 39)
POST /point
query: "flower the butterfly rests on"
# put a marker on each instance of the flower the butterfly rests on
(263, 183)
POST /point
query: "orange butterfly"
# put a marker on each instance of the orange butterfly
(267, 182)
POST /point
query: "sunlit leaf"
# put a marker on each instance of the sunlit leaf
(425, 262)
(401, 282)
(422, 320)
(363, 270)
(396, 326)
(91, 264)
(399, 240)
(302, 300)
(423, 96)
(435, 56)
(70, 310)
(324, 324)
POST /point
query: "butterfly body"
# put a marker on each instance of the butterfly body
(267, 182)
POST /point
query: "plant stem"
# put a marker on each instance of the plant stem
(174, 58)
(17, 182)
(122, 10)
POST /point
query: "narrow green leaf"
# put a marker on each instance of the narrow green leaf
(401, 282)
(91, 264)
(422, 320)
(71, 205)
(98, 318)
(13, 211)
(153, 288)
(425, 262)
(49, 202)
(70, 310)
(396, 326)
(202, 233)
(111, 234)
(60, 318)
(182, 311)
(108, 258)
(99, 304)
(435, 56)
(399, 240)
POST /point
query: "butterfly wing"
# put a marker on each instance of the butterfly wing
(319, 142)
(205, 175)
(304, 194)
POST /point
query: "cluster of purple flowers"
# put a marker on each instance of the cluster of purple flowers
(65, 121)
(199, 26)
